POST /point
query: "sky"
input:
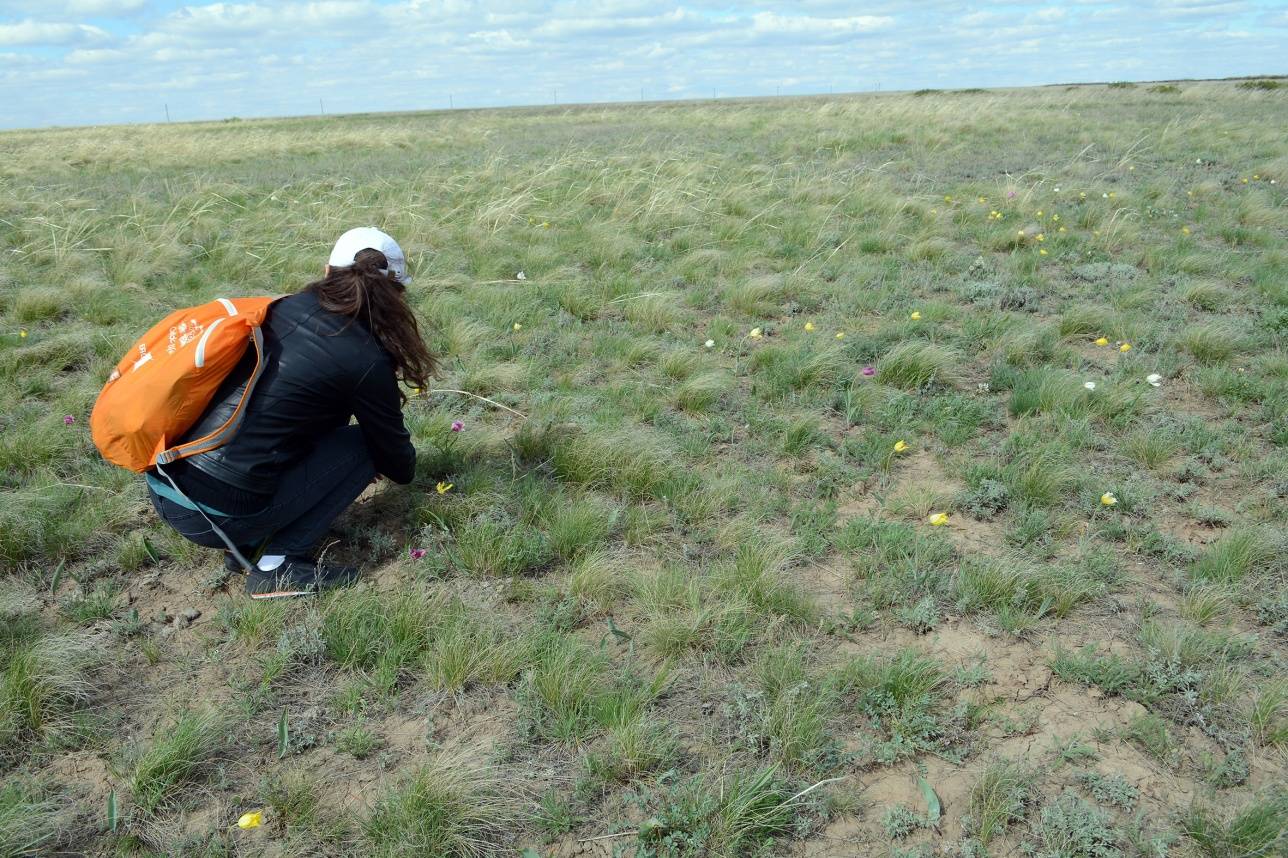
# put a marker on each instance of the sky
(86, 62)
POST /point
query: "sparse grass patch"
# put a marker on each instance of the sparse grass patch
(1212, 342)
(1237, 555)
(180, 754)
(43, 678)
(999, 798)
(722, 815)
(453, 805)
(570, 692)
(29, 819)
(914, 365)
(1256, 829)
(629, 750)
(900, 694)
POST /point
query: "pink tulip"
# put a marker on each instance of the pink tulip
(417, 553)
(69, 420)
(869, 371)
(457, 425)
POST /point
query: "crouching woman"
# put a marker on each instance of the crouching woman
(334, 351)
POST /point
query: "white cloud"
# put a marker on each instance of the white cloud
(616, 26)
(1051, 13)
(89, 56)
(802, 25)
(31, 32)
(253, 19)
(89, 8)
(100, 8)
(1198, 8)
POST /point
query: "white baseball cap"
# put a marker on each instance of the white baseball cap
(353, 242)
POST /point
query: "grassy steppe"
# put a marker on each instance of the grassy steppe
(690, 594)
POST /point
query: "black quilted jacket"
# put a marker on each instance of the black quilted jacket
(321, 370)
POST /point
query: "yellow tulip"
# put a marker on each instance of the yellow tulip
(23, 333)
(1102, 341)
(518, 327)
(1185, 230)
(840, 335)
(1042, 252)
(1040, 237)
(938, 519)
(254, 819)
(1125, 347)
(915, 315)
(443, 488)
(1108, 499)
(900, 446)
(809, 327)
(755, 333)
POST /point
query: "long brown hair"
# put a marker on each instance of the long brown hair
(364, 291)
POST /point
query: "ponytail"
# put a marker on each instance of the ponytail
(370, 291)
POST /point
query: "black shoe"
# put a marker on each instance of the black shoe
(231, 564)
(298, 576)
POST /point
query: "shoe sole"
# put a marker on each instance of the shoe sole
(292, 592)
(283, 594)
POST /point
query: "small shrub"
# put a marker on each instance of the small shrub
(900, 821)
(1112, 789)
(1111, 673)
(1071, 828)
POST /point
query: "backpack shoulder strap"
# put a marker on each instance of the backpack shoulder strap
(224, 433)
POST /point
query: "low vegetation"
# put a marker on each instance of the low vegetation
(885, 474)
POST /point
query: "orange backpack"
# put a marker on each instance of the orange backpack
(164, 383)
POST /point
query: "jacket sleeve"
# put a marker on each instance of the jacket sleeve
(377, 406)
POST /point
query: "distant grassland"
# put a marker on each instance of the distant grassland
(690, 596)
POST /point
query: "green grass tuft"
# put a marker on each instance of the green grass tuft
(452, 805)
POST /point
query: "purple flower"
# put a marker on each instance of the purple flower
(69, 420)
(1010, 195)
(869, 371)
(417, 553)
(457, 425)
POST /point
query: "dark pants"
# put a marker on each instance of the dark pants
(307, 499)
